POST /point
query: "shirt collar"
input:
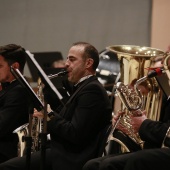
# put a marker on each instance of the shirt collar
(83, 78)
(6, 84)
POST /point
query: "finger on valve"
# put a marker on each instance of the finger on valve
(138, 112)
(137, 121)
(38, 114)
(117, 116)
(123, 128)
(119, 113)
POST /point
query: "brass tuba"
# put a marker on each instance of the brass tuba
(134, 64)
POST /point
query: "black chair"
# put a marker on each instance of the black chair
(103, 140)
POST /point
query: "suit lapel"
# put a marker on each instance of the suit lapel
(84, 83)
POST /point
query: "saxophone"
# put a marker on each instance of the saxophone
(133, 63)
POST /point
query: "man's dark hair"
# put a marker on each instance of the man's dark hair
(90, 52)
(14, 53)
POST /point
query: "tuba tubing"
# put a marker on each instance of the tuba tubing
(134, 61)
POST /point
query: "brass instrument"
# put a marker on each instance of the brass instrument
(134, 61)
(21, 131)
(36, 123)
(36, 128)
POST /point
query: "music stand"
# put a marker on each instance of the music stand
(36, 103)
(45, 60)
(163, 82)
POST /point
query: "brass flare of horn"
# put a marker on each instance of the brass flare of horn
(133, 63)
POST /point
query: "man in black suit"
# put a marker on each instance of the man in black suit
(156, 133)
(13, 100)
(158, 158)
(75, 131)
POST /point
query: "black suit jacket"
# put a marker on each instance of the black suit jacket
(153, 132)
(13, 113)
(76, 129)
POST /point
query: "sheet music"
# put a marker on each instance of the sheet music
(47, 80)
(37, 102)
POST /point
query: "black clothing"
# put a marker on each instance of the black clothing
(133, 146)
(147, 159)
(13, 113)
(152, 132)
(76, 129)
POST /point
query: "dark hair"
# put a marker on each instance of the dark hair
(90, 52)
(14, 53)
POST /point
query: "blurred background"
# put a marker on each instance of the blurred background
(48, 28)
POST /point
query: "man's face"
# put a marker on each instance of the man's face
(5, 74)
(75, 64)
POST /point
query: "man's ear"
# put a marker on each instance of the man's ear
(15, 65)
(89, 62)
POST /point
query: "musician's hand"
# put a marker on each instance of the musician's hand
(38, 114)
(137, 120)
(119, 125)
(116, 117)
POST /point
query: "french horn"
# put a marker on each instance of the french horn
(135, 62)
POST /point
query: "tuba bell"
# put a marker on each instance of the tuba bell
(135, 62)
